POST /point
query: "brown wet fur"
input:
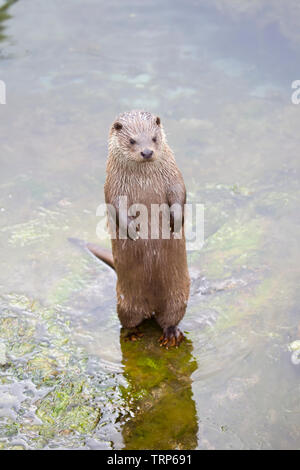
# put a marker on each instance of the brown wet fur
(153, 274)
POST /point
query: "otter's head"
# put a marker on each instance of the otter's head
(138, 135)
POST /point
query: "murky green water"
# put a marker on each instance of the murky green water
(219, 74)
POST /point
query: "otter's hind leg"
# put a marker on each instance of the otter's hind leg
(129, 317)
(168, 320)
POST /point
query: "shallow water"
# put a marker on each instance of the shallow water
(219, 74)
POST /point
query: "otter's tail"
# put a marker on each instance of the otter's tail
(100, 253)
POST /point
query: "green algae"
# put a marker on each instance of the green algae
(4, 16)
(18, 335)
(68, 407)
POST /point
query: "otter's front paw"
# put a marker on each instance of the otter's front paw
(172, 336)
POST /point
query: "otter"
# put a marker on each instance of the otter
(152, 274)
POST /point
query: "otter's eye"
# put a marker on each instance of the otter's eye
(154, 139)
(132, 141)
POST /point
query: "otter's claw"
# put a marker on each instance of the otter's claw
(134, 335)
(172, 336)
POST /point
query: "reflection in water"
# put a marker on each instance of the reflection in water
(4, 16)
(160, 393)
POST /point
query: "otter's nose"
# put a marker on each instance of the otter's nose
(147, 153)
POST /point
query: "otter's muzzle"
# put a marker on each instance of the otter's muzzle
(147, 154)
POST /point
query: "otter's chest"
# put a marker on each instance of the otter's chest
(145, 190)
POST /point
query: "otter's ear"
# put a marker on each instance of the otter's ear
(158, 121)
(118, 126)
